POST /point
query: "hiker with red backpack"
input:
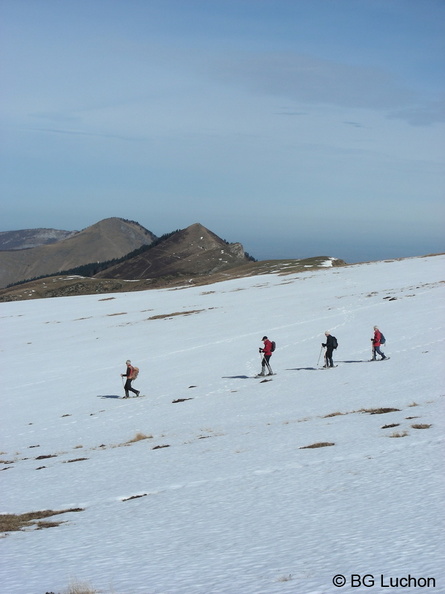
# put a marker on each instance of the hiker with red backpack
(267, 350)
(131, 374)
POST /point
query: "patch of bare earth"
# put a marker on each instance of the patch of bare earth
(32, 520)
(319, 444)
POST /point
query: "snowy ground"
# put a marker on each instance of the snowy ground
(233, 504)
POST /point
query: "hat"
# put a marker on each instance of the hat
(264, 338)
(128, 361)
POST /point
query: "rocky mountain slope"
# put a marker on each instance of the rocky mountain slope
(192, 251)
(106, 240)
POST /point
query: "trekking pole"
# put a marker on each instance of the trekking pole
(261, 360)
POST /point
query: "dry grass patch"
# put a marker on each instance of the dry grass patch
(399, 434)
(16, 522)
(379, 411)
(421, 426)
(139, 437)
(176, 313)
(390, 426)
(320, 444)
(334, 414)
(135, 497)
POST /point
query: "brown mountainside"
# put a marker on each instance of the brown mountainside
(189, 252)
(106, 240)
(66, 286)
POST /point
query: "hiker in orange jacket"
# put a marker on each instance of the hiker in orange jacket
(129, 375)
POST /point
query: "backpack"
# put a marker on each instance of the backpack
(382, 339)
(134, 373)
(334, 342)
(273, 347)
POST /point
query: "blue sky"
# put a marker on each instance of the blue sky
(297, 127)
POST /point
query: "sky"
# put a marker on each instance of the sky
(296, 127)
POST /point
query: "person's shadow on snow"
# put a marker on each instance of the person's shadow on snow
(355, 361)
(108, 396)
(303, 369)
(235, 377)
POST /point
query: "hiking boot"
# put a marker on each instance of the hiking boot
(137, 394)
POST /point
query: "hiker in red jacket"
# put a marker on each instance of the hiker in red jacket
(267, 354)
(376, 343)
(129, 376)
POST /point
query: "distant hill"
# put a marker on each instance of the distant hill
(64, 285)
(106, 240)
(193, 255)
(30, 238)
(192, 251)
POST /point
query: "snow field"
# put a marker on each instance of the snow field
(233, 504)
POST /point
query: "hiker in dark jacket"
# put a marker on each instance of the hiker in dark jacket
(267, 354)
(330, 345)
(129, 376)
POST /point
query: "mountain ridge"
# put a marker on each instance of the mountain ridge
(192, 251)
(105, 240)
(194, 255)
(23, 239)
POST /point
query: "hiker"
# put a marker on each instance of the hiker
(267, 354)
(377, 341)
(330, 345)
(130, 377)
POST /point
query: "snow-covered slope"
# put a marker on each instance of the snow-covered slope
(235, 503)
